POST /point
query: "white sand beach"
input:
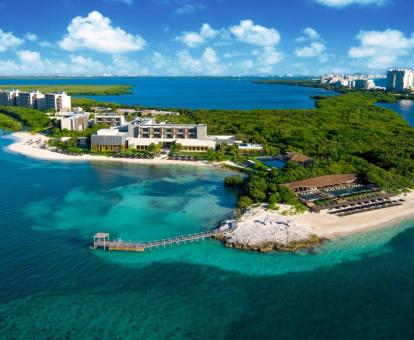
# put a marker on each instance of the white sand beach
(36, 150)
(331, 226)
(259, 226)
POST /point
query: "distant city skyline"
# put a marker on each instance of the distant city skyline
(206, 38)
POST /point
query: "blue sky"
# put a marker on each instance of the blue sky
(204, 37)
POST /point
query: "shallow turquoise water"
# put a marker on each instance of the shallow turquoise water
(54, 286)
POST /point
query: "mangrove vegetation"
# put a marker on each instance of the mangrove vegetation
(71, 89)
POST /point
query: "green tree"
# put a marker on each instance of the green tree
(244, 202)
(155, 148)
(232, 181)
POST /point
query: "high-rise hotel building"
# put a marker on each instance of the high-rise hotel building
(400, 80)
(59, 102)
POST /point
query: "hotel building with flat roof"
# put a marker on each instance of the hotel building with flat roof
(141, 133)
(32, 100)
(400, 80)
(36, 100)
(9, 97)
(74, 121)
(58, 102)
(111, 119)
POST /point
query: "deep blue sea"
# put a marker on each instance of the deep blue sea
(53, 286)
(195, 93)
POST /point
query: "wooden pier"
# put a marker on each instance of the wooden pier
(102, 240)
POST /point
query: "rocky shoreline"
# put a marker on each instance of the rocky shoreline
(263, 230)
(294, 246)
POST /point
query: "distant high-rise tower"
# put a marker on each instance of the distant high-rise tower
(400, 80)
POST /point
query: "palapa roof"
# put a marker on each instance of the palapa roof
(323, 181)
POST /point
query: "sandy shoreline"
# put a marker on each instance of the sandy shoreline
(258, 228)
(332, 226)
(34, 150)
(258, 225)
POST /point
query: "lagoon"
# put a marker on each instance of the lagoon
(404, 107)
(194, 92)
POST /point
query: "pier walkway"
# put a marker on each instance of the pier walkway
(102, 240)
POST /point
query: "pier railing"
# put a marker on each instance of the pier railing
(102, 240)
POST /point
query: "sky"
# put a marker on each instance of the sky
(204, 37)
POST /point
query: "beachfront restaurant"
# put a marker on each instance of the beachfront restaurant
(323, 182)
(326, 192)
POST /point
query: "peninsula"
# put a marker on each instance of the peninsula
(306, 175)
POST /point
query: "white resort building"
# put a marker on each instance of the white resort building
(110, 119)
(32, 100)
(74, 121)
(141, 133)
(9, 97)
(36, 100)
(59, 102)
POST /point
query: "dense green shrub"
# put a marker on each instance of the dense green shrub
(35, 119)
(8, 123)
(232, 181)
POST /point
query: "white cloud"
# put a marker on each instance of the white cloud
(186, 9)
(208, 64)
(122, 65)
(316, 49)
(8, 40)
(29, 57)
(84, 65)
(381, 49)
(247, 64)
(270, 56)
(187, 6)
(96, 33)
(250, 33)
(159, 61)
(267, 38)
(45, 43)
(311, 33)
(191, 39)
(210, 56)
(31, 36)
(194, 39)
(343, 3)
(31, 63)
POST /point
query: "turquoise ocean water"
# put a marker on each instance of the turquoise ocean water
(54, 286)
